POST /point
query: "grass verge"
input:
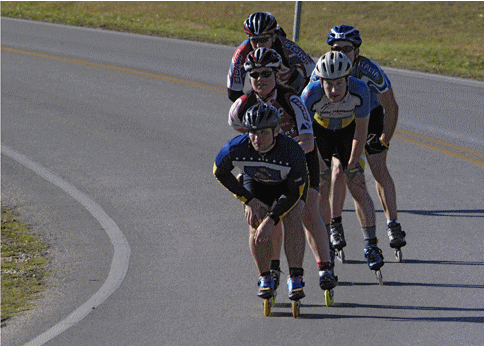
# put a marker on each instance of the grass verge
(430, 36)
(23, 266)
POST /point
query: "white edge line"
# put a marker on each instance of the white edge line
(120, 260)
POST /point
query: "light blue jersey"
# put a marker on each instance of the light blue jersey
(369, 72)
(335, 116)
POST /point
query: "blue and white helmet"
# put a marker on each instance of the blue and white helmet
(333, 65)
(345, 32)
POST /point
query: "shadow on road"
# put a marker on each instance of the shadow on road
(447, 213)
(470, 319)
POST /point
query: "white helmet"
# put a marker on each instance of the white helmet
(333, 65)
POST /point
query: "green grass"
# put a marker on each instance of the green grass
(437, 37)
(23, 265)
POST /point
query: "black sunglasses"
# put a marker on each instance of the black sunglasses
(344, 49)
(265, 74)
(261, 40)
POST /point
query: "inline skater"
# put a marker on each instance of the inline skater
(274, 190)
(263, 64)
(384, 113)
(339, 106)
(263, 31)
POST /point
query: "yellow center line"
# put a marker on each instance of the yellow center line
(449, 152)
(454, 146)
(217, 88)
(120, 69)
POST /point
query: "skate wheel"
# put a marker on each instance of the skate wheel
(296, 309)
(378, 274)
(399, 255)
(329, 297)
(266, 307)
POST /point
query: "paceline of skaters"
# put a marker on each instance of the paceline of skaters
(306, 133)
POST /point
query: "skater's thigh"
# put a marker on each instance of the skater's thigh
(292, 221)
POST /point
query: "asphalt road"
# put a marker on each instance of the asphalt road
(123, 129)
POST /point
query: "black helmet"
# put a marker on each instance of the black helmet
(261, 116)
(260, 23)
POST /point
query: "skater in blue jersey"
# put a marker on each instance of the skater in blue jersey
(382, 124)
(340, 106)
(274, 190)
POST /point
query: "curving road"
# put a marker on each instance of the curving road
(108, 141)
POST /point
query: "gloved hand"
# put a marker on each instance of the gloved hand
(351, 173)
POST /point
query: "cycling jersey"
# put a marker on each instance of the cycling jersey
(294, 121)
(284, 164)
(294, 61)
(334, 123)
(335, 116)
(369, 72)
(295, 118)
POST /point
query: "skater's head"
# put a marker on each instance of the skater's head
(333, 69)
(261, 29)
(345, 39)
(262, 65)
(263, 124)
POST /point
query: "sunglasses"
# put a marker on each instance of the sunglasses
(260, 40)
(344, 49)
(265, 74)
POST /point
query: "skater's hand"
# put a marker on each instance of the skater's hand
(352, 172)
(255, 211)
(264, 231)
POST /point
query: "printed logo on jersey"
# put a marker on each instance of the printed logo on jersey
(371, 71)
(237, 57)
(298, 102)
(233, 74)
(329, 110)
(264, 174)
(291, 46)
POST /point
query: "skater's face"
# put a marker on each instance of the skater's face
(347, 48)
(264, 139)
(262, 81)
(335, 90)
(261, 41)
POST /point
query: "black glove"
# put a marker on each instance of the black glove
(374, 145)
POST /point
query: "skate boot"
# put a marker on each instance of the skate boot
(295, 284)
(265, 284)
(338, 236)
(331, 254)
(396, 235)
(338, 240)
(327, 279)
(373, 254)
(276, 278)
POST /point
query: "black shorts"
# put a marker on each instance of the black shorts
(334, 142)
(312, 160)
(269, 193)
(376, 121)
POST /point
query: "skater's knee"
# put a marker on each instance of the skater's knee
(325, 175)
